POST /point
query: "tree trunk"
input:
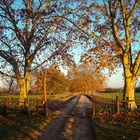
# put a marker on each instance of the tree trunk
(129, 79)
(24, 84)
(129, 92)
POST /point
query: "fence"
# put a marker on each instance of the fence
(13, 103)
(116, 104)
(32, 103)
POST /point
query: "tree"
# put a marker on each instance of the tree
(31, 34)
(113, 26)
(87, 79)
(56, 82)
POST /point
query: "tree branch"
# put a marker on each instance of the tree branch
(5, 74)
(136, 65)
(133, 9)
(11, 60)
(114, 28)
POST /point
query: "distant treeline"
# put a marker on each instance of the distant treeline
(118, 90)
(113, 90)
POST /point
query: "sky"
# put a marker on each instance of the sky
(116, 80)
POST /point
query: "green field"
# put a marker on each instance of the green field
(120, 95)
(65, 96)
(33, 99)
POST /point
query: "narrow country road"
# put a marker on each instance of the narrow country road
(73, 123)
(82, 127)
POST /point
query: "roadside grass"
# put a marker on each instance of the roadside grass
(125, 126)
(62, 97)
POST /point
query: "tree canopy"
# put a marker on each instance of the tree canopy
(85, 78)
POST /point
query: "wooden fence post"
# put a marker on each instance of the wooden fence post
(94, 106)
(45, 108)
(117, 105)
(45, 94)
(25, 103)
(12, 102)
(36, 103)
(5, 105)
(127, 102)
